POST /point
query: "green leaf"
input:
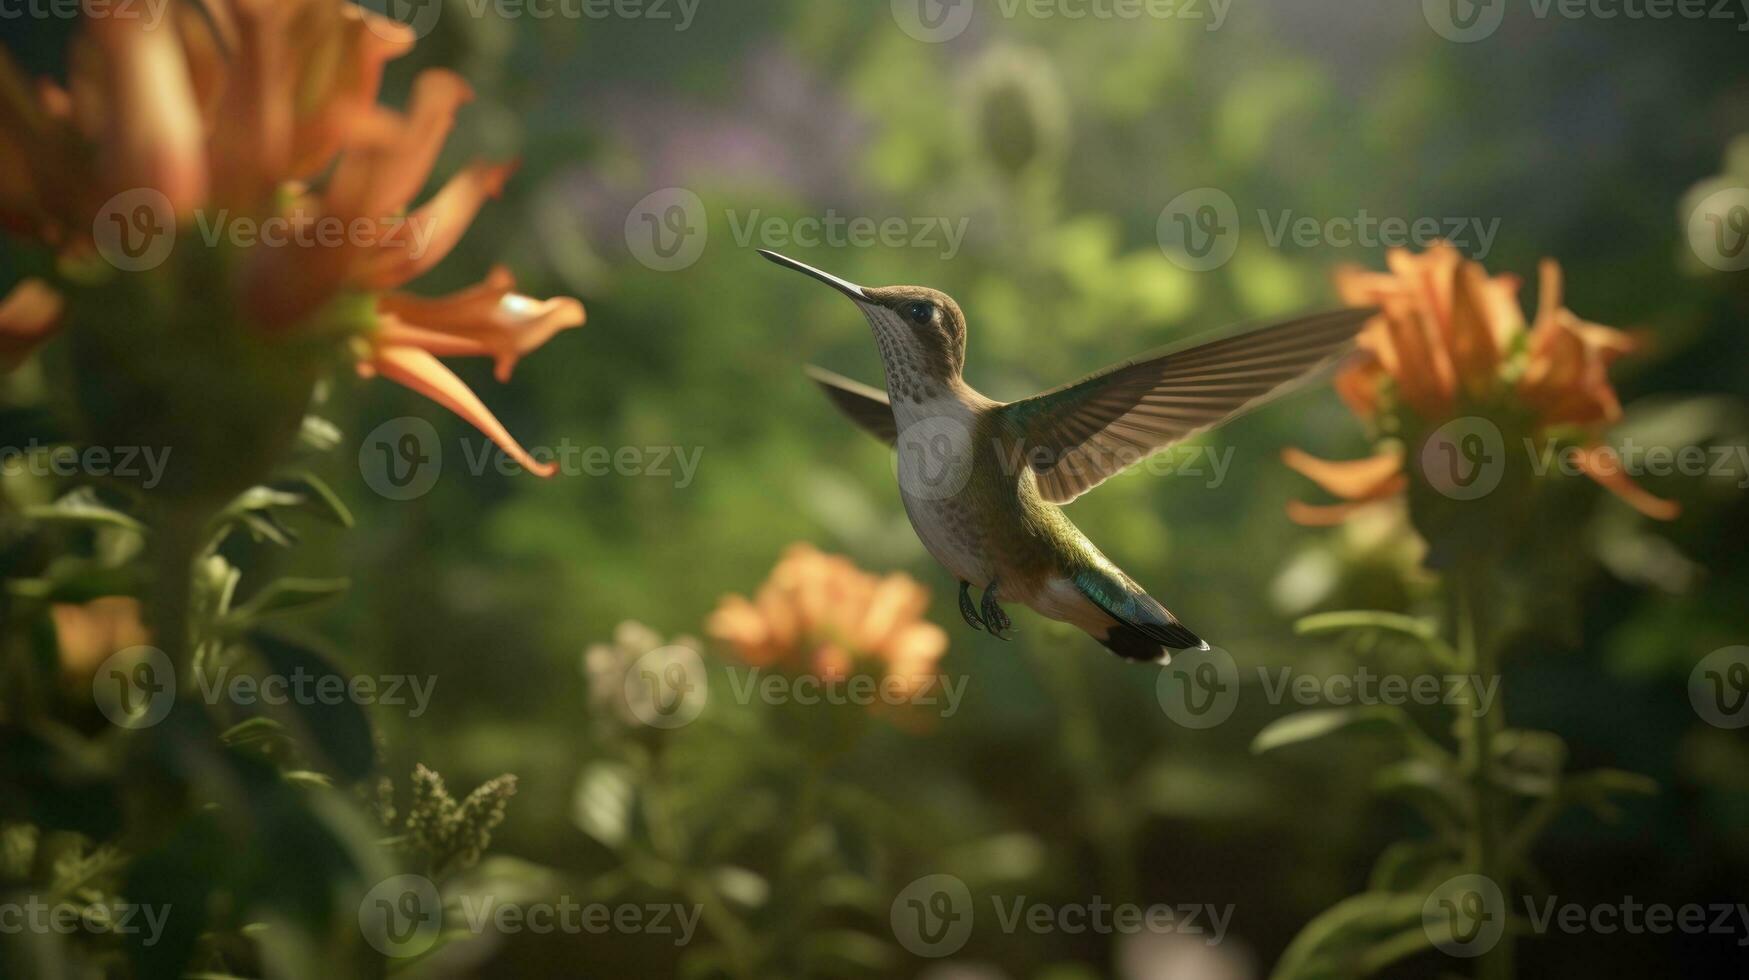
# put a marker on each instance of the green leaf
(1356, 935)
(1435, 789)
(601, 805)
(260, 499)
(318, 435)
(323, 501)
(76, 580)
(833, 951)
(254, 731)
(336, 727)
(1412, 866)
(1306, 726)
(1597, 789)
(1424, 631)
(265, 527)
(742, 886)
(82, 507)
(285, 595)
(1530, 762)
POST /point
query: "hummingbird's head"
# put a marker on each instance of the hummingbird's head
(920, 331)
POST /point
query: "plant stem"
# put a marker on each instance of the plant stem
(1480, 659)
(175, 542)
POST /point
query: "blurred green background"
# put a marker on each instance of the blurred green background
(1058, 142)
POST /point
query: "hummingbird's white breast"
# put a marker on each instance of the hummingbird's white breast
(937, 452)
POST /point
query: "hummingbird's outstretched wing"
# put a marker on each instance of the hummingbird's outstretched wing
(867, 407)
(1077, 436)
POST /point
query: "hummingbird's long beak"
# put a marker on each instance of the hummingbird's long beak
(844, 286)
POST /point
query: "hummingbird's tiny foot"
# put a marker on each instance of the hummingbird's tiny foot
(967, 609)
(995, 619)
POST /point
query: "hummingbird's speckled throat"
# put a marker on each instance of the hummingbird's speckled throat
(998, 525)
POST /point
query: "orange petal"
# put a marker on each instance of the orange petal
(253, 128)
(1423, 370)
(363, 42)
(1566, 376)
(437, 95)
(154, 133)
(425, 374)
(1358, 387)
(1604, 466)
(88, 633)
(29, 315)
(1355, 479)
(1475, 358)
(429, 233)
(1323, 515)
(490, 317)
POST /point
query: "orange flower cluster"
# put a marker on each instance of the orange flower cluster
(819, 613)
(267, 108)
(1450, 339)
(88, 633)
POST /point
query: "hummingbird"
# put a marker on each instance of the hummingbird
(983, 481)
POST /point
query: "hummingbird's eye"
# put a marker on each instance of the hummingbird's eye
(920, 313)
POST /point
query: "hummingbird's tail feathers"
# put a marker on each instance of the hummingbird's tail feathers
(1142, 628)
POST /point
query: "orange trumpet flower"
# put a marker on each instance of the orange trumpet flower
(232, 108)
(1450, 340)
